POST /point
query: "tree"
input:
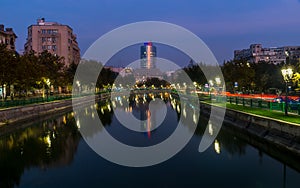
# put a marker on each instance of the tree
(8, 62)
(51, 67)
(239, 71)
(27, 72)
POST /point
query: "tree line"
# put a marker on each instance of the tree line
(32, 71)
(250, 77)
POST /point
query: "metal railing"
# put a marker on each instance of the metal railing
(259, 103)
(32, 100)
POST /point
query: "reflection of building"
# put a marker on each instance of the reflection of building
(7, 37)
(55, 38)
(257, 53)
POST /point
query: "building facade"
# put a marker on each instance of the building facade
(147, 64)
(55, 38)
(148, 55)
(256, 53)
(8, 37)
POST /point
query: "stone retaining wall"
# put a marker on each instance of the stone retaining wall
(281, 134)
(25, 113)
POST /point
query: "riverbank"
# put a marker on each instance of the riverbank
(30, 112)
(266, 131)
(269, 131)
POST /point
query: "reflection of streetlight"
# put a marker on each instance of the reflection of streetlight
(217, 147)
(287, 74)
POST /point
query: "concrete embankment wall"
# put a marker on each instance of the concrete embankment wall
(268, 131)
(34, 111)
(22, 113)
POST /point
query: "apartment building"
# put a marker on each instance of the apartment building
(54, 37)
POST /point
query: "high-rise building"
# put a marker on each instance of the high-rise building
(148, 55)
(56, 38)
(8, 37)
(148, 67)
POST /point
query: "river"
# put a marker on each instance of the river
(52, 153)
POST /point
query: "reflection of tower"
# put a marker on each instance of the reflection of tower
(148, 54)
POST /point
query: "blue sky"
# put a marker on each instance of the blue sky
(224, 25)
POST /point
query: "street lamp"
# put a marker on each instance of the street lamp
(287, 74)
(218, 81)
(210, 85)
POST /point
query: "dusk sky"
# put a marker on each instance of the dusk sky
(222, 24)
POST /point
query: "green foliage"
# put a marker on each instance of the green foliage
(239, 71)
(267, 75)
(8, 62)
(29, 70)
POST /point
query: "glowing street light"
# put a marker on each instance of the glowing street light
(218, 80)
(287, 74)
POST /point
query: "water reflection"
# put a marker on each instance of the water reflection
(50, 144)
(53, 143)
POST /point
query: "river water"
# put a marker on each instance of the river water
(52, 153)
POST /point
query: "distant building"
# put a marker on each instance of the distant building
(257, 53)
(148, 64)
(8, 37)
(56, 38)
(126, 71)
(114, 69)
(148, 55)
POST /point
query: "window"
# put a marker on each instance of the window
(43, 39)
(49, 47)
(44, 47)
(49, 39)
(53, 39)
(54, 47)
(11, 41)
(43, 31)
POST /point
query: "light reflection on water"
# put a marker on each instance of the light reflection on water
(51, 153)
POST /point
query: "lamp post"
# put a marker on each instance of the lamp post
(287, 74)
(210, 85)
(218, 81)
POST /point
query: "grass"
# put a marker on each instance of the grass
(292, 118)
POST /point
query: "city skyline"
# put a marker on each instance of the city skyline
(223, 26)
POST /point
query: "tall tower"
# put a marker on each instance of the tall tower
(148, 56)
